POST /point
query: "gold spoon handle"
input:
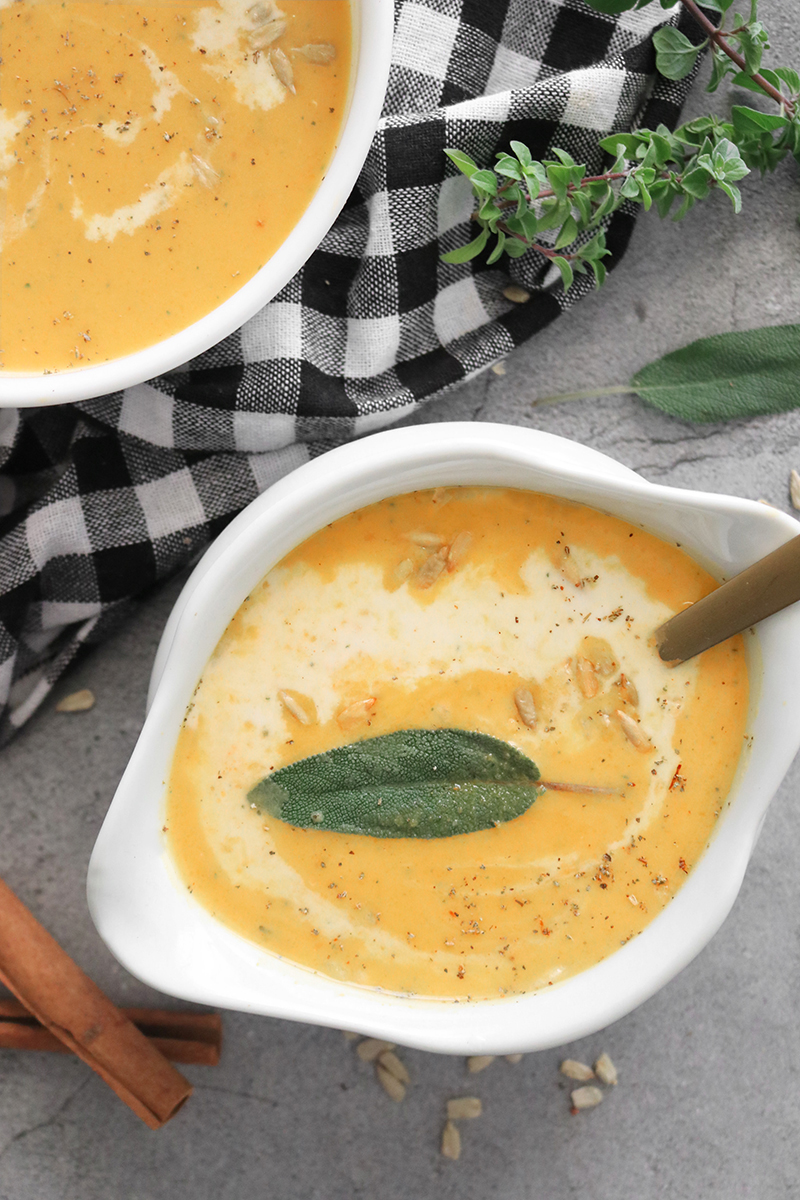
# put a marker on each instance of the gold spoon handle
(759, 591)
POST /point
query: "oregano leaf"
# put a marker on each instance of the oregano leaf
(675, 54)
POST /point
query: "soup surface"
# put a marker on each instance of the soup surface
(506, 612)
(153, 157)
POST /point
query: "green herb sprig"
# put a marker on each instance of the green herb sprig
(521, 198)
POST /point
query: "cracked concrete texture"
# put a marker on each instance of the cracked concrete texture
(707, 1105)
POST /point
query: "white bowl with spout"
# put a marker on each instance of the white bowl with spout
(162, 935)
(373, 26)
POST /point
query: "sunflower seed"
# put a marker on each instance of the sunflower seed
(516, 294)
(204, 172)
(403, 570)
(430, 541)
(459, 549)
(322, 52)
(283, 69)
(266, 34)
(600, 654)
(525, 707)
(628, 691)
(586, 676)
(431, 569)
(514, 1059)
(349, 1036)
(479, 1062)
(794, 488)
(301, 707)
(576, 1070)
(586, 1097)
(605, 1070)
(464, 1108)
(392, 1086)
(633, 732)
(262, 12)
(356, 714)
(569, 568)
(80, 701)
(451, 1141)
(441, 496)
(391, 1063)
(370, 1048)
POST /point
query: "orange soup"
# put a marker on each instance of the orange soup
(153, 157)
(504, 612)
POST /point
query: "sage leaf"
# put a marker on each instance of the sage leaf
(741, 374)
(421, 783)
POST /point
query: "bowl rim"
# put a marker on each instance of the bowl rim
(373, 28)
(123, 861)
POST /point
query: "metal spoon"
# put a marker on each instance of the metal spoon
(759, 591)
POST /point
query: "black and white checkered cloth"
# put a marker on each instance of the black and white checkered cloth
(100, 500)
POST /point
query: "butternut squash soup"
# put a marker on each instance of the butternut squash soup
(461, 615)
(153, 157)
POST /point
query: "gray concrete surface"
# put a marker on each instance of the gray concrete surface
(708, 1105)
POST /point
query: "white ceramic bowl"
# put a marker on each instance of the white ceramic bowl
(166, 938)
(373, 24)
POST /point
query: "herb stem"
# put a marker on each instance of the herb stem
(718, 38)
(618, 389)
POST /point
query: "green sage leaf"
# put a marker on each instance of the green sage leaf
(421, 783)
(741, 374)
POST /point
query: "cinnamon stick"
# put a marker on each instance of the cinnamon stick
(180, 1036)
(62, 998)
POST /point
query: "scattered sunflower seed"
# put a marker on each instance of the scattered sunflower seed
(586, 1097)
(80, 701)
(570, 569)
(499, 368)
(301, 707)
(322, 52)
(356, 714)
(370, 1048)
(283, 69)
(349, 1036)
(464, 1108)
(633, 732)
(525, 707)
(451, 1141)
(479, 1062)
(390, 1084)
(605, 1070)
(267, 33)
(261, 12)
(587, 677)
(391, 1063)
(431, 569)
(628, 690)
(600, 655)
(204, 172)
(459, 549)
(794, 488)
(576, 1070)
(403, 570)
(430, 541)
(514, 1059)
(516, 294)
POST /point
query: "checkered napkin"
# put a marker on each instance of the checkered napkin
(101, 500)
